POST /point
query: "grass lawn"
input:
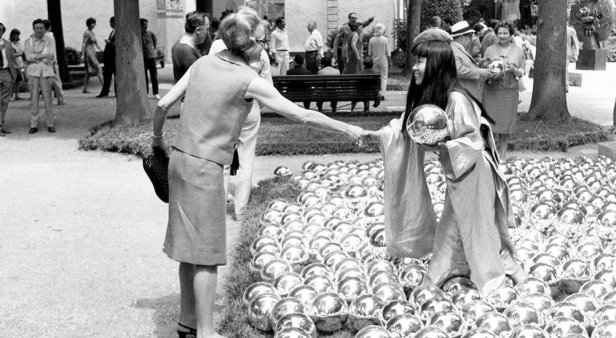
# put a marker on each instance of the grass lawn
(280, 136)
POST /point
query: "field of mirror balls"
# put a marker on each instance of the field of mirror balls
(324, 266)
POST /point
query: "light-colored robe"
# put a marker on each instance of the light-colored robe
(472, 235)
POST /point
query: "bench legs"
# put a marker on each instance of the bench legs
(334, 104)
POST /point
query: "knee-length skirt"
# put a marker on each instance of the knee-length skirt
(502, 105)
(196, 231)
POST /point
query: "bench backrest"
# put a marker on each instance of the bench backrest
(364, 87)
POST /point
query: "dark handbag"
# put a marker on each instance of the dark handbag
(156, 166)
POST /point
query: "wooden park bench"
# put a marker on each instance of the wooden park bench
(330, 88)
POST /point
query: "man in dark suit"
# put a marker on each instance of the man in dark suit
(109, 60)
(8, 74)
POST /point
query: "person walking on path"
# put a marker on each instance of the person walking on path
(279, 46)
(149, 57)
(471, 76)
(8, 74)
(341, 41)
(109, 60)
(500, 94)
(18, 58)
(88, 49)
(39, 57)
(56, 82)
(378, 50)
(313, 48)
(472, 236)
(209, 128)
(184, 52)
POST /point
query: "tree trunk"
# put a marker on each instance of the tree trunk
(132, 100)
(54, 12)
(549, 100)
(413, 21)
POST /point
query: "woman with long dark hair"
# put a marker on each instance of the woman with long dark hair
(471, 238)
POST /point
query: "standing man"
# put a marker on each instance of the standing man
(313, 47)
(433, 32)
(39, 57)
(184, 52)
(341, 40)
(8, 74)
(279, 46)
(109, 60)
(56, 82)
(470, 74)
(149, 57)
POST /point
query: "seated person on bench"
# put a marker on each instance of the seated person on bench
(368, 64)
(298, 69)
(327, 69)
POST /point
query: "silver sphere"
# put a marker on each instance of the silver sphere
(431, 332)
(603, 314)
(540, 301)
(458, 283)
(433, 306)
(428, 125)
(585, 303)
(374, 331)
(476, 309)
(605, 330)
(292, 332)
(286, 282)
(255, 290)
(364, 311)
(422, 294)
(520, 313)
(274, 268)
(534, 285)
(260, 259)
(328, 312)
(389, 292)
(411, 276)
(449, 321)
(320, 283)
(567, 310)
(318, 269)
(465, 296)
(259, 311)
(595, 289)
(528, 331)
(395, 308)
(404, 325)
(285, 306)
(479, 333)
(502, 297)
(564, 326)
(350, 288)
(494, 322)
(305, 293)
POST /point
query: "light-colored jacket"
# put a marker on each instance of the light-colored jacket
(468, 71)
(8, 51)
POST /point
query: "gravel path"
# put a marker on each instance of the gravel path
(81, 232)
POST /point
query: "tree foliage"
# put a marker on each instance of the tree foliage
(447, 10)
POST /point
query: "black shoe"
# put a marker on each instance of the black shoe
(51, 129)
(186, 331)
(32, 130)
(4, 131)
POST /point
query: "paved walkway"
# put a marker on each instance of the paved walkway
(81, 232)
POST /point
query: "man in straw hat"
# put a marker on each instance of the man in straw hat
(470, 74)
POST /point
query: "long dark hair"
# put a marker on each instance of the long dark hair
(439, 80)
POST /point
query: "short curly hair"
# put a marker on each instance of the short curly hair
(90, 21)
(504, 24)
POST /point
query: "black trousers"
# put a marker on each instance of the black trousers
(150, 66)
(311, 61)
(108, 70)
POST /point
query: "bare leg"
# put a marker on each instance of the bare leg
(85, 81)
(99, 74)
(503, 142)
(188, 315)
(205, 295)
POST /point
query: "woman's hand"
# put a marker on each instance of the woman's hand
(355, 132)
(435, 148)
